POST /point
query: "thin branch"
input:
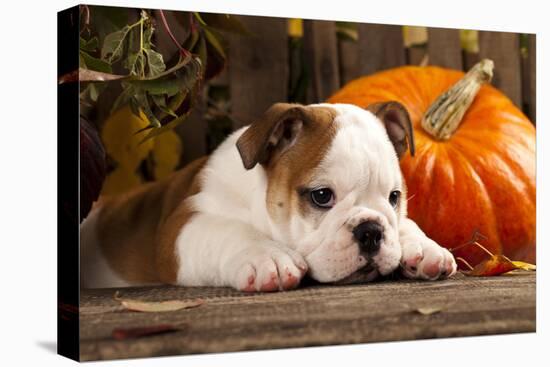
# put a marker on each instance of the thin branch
(171, 35)
(464, 262)
(475, 237)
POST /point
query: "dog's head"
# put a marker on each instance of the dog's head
(334, 187)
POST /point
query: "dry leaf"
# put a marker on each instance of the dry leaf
(162, 306)
(495, 265)
(428, 310)
(138, 332)
(524, 266)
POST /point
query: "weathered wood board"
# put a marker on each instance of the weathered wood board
(312, 315)
(258, 67)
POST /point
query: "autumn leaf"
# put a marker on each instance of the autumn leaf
(495, 265)
(138, 332)
(524, 266)
(161, 306)
(85, 75)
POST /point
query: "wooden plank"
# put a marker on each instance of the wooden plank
(416, 55)
(258, 67)
(503, 49)
(444, 48)
(321, 58)
(469, 59)
(530, 73)
(311, 315)
(380, 47)
(348, 60)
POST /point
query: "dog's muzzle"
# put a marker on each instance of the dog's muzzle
(369, 235)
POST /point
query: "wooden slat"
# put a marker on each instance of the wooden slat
(416, 55)
(310, 315)
(321, 58)
(380, 47)
(531, 92)
(258, 67)
(444, 48)
(503, 49)
(348, 60)
(469, 59)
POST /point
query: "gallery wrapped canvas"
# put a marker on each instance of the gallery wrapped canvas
(234, 183)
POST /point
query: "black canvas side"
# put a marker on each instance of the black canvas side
(68, 186)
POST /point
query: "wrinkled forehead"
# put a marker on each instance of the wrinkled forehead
(360, 151)
(345, 142)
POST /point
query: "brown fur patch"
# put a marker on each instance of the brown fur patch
(137, 230)
(295, 167)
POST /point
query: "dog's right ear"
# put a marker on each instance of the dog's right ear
(272, 134)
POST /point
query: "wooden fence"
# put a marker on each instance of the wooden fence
(258, 69)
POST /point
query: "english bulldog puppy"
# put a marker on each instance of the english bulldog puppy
(304, 189)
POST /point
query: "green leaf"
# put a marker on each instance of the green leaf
(123, 98)
(199, 18)
(169, 126)
(113, 45)
(90, 45)
(134, 62)
(94, 93)
(202, 52)
(191, 41)
(160, 102)
(155, 63)
(175, 102)
(143, 103)
(94, 63)
(213, 40)
(183, 79)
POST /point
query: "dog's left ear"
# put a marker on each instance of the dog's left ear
(272, 134)
(398, 125)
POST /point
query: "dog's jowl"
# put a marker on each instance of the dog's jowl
(304, 189)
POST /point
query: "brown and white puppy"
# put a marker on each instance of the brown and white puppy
(314, 189)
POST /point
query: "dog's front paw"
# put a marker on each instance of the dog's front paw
(268, 269)
(423, 258)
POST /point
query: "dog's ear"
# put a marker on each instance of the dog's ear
(398, 125)
(272, 134)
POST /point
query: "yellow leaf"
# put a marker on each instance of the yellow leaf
(524, 266)
(121, 141)
(166, 154)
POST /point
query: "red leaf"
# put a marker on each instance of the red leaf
(139, 332)
(496, 265)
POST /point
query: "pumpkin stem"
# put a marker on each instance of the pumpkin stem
(445, 114)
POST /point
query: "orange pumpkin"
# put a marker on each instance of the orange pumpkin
(480, 179)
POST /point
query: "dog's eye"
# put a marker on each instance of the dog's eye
(394, 197)
(323, 198)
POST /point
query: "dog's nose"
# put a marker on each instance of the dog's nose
(369, 235)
